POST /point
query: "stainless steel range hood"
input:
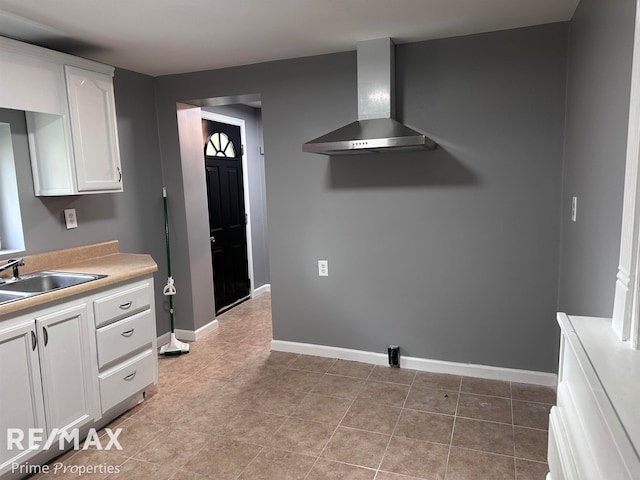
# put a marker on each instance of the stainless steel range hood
(375, 130)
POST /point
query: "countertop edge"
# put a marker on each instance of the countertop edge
(119, 267)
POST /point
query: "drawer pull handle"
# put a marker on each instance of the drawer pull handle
(34, 341)
(46, 336)
(128, 333)
(126, 306)
(129, 377)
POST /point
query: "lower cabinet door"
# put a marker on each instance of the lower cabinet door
(69, 392)
(21, 404)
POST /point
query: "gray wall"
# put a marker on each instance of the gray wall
(133, 217)
(139, 218)
(451, 254)
(599, 79)
(255, 175)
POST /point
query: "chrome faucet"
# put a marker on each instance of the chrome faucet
(14, 264)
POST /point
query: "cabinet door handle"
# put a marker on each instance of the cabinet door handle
(129, 377)
(128, 333)
(119, 175)
(46, 336)
(126, 306)
(34, 340)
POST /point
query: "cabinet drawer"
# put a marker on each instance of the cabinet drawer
(122, 303)
(125, 380)
(123, 337)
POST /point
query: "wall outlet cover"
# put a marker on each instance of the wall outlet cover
(70, 218)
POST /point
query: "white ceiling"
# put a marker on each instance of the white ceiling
(159, 37)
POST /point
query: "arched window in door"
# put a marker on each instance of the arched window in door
(220, 145)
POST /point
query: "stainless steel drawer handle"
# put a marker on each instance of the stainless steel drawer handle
(128, 333)
(129, 377)
(126, 306)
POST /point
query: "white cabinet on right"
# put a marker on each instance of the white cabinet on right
(594, 430)
(93, 130)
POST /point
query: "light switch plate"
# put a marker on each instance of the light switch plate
(70, 218)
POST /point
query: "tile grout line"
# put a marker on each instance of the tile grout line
(396, 425)
(483, 420)
(334, 430)
(252, 460)
(453, 428)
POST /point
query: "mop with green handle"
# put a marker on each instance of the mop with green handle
(174, 347)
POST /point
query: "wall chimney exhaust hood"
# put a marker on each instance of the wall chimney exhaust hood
(375, 130)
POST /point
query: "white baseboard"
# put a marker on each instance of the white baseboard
(164, 339)
(266, 288)
(422, 364)
(190, 335)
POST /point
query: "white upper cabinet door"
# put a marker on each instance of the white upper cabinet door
(65, 359)
(93, 130)
(21, 403)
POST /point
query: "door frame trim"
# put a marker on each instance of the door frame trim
(216, 117)
(626, 309)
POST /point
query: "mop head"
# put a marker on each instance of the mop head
(174, 347)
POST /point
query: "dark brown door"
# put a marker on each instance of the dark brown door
(227, 230)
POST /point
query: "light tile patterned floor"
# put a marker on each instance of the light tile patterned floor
(231, 409)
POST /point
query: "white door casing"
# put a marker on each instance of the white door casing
(626, 314)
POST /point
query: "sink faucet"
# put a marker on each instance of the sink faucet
(14, 264)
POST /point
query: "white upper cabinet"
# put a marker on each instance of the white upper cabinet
(30, 82)
(93, 126)
(71, 121)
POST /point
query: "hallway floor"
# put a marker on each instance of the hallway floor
(231, 409)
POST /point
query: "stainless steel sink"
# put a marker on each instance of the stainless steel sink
(41, 282)
(11, 296)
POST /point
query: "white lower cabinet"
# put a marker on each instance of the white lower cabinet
(126, 341)
(595, 422)
(47, 378)
(65, 361)
(59, 372)
(126, 379)
(21, 402)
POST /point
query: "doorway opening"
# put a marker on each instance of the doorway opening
(193, 142)
(225, 163)
(245, 112)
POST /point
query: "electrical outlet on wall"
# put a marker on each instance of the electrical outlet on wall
(70, 218)
(323, 268)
